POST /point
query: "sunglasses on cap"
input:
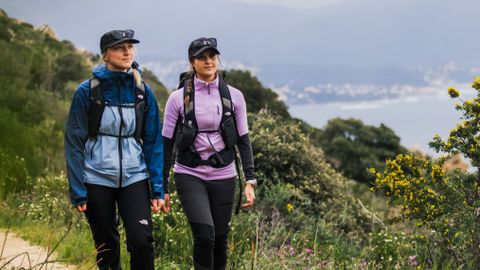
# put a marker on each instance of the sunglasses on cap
(205, 42)
(119, 34)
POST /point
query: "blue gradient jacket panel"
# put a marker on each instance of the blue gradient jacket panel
(108, 159)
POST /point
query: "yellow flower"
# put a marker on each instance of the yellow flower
(476, 83)
(453, 92)
(289, 207)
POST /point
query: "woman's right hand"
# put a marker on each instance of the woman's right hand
(249, 195)
(81, 207)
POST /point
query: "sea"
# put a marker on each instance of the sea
(415, 120)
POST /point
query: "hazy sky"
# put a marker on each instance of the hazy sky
(285, 41)
(347, 32)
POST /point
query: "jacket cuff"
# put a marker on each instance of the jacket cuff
(158, 194)
(77, 201)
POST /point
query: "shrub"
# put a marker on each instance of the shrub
(446, 203)
(283, 154)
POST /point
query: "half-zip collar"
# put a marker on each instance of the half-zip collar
(103, 73)
(206, 86)
(118, 87)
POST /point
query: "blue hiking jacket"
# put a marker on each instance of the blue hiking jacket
(106, 160)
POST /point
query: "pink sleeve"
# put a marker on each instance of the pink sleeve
(240, 110)
(172, 110)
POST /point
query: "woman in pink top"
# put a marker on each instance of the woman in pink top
(205, 119)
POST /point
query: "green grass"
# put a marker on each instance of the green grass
(270, 236)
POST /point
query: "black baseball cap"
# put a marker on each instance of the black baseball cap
(201, 44)
(115, 37)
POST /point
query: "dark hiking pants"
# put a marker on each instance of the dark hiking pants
(208, 206)
(133, 203)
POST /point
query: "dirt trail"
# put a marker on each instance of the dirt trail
(17, 249)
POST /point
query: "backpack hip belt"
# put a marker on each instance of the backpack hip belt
(216, 160)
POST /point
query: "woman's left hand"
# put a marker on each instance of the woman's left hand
(166, 207)
(157, 204)
(249, 195)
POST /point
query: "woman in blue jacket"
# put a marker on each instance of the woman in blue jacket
(114, 154)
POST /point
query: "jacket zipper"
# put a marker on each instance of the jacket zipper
(120, 152)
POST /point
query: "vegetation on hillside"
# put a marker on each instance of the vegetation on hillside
(353, 147)
(308, 215)
(36, 72)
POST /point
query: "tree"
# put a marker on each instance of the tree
(353, 147)
(256, 95)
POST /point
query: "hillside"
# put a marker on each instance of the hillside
(39, 74)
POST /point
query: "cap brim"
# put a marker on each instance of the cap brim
(128, 40)
(205, 48)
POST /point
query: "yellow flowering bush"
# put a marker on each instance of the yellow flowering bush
(445, 203)
(416, 183)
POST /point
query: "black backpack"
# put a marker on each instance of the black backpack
(187, 128)
(97, 106)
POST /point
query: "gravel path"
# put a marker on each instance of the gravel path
(19, 254)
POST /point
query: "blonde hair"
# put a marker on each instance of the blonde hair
(137, 77)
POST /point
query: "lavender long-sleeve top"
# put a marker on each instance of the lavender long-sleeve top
(208, 114)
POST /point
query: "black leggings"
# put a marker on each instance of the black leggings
(134, 208)
(208, 206)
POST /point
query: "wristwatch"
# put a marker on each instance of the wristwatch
(252, 182)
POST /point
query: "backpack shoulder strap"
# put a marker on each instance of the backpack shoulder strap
(189, 102)
(140, 110)
(226, 98)
(97, 106)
